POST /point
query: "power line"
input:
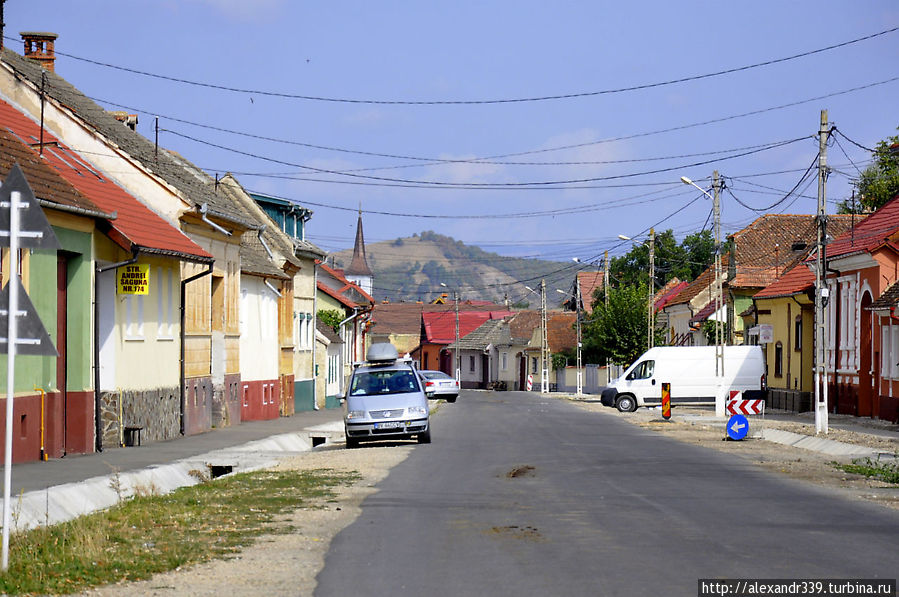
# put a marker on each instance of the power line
(489, 101)
(437, 161)
(444, 184)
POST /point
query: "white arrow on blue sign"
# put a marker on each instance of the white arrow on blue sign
(737, 427)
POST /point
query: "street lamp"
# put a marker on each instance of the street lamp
(456, 357)
(544, 344)
(577, 327)
(650, 306)
(719, 291)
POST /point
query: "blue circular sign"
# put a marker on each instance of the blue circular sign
(737, 427)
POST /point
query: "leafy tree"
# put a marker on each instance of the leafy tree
(617, 332)
(559, 361)
(331, 318)
(879, 182)
(684, 261)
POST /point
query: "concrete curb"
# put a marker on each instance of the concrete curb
(818, 444)
(66, 502)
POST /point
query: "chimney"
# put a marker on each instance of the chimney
(129, 120)
(39, 47)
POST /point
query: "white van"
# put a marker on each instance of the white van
(691, 372)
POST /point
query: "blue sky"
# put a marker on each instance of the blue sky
(320, 153)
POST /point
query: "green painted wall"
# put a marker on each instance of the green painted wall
(37, 371)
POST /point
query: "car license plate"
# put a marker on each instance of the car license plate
(389, 425)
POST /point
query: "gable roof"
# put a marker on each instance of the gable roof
(798, 280)
(169, 166)
(589, 282)
(668, 292)
(440, 326)
(701, 283)
(764, 250)
(877, 230)
(560, 332)
(887, 300)
(135, 227)
(492, 331)
(345, 287)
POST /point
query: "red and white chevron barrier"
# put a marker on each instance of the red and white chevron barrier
(737, 406)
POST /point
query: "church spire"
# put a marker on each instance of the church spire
(358, 270)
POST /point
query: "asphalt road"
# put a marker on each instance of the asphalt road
(524, 495)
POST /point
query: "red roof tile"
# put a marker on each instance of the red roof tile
(589, 282)
(440, 326)
(797, 280)
(136, 224)
(878, 229)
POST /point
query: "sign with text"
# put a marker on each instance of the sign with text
(133, 279)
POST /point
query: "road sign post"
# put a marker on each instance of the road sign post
(23, 225)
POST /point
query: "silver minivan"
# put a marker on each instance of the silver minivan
(385, 400)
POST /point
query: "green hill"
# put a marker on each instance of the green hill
(412, 269)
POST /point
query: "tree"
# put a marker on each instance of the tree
(331, 318)
(879, 182)
(617, 332)
(684, 261)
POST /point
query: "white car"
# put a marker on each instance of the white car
(439, 385)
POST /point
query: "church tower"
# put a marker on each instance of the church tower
(358, 270)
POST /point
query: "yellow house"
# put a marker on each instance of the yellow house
(785, 312)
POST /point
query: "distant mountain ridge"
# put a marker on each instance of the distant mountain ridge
(413, 268)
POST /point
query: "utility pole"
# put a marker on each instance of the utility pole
(456, 360)
(605, 278)
(719, 289)
(650, 307)
(577, 326)
(544, 345)
(821, 290)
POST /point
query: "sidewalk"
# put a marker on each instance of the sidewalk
(64, 488)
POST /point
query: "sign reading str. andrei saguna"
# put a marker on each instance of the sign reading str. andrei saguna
(133, 279)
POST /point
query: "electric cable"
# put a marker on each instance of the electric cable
(488, 101)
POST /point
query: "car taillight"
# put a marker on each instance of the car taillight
(429, 384)
(764, 381)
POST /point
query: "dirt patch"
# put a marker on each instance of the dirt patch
(521, 471)
(695, 425)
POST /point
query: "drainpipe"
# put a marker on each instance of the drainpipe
(98, 423)
(184, 284)
(204, 209)
(314, 330)
(341, 325)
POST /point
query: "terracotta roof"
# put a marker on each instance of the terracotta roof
(888, 299)
(774, 244)
(346, 285)
(589, 283)
(879, 229)
(704, 313)
(668, 292)
(560, 332)
(440, 326)
(136, 226)
(522, 326)
(798, 280)
(346, 302)
(701, 283)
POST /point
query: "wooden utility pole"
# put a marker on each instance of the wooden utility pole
(821, 290)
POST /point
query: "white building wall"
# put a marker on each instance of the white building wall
(259, 346)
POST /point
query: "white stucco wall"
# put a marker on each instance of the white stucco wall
(259, 346)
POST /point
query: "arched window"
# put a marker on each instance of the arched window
(778, 359)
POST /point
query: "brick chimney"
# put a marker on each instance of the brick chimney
(39, 47)
(129, 120)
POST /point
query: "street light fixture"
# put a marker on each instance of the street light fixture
(456, 356)
(719, 291)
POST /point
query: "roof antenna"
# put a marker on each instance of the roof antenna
(156, 150)
(216, 190)
(2, 24)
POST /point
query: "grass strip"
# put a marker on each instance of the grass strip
(149, 534)
(883, 470)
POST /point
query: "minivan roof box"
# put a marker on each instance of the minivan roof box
(381, 352)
